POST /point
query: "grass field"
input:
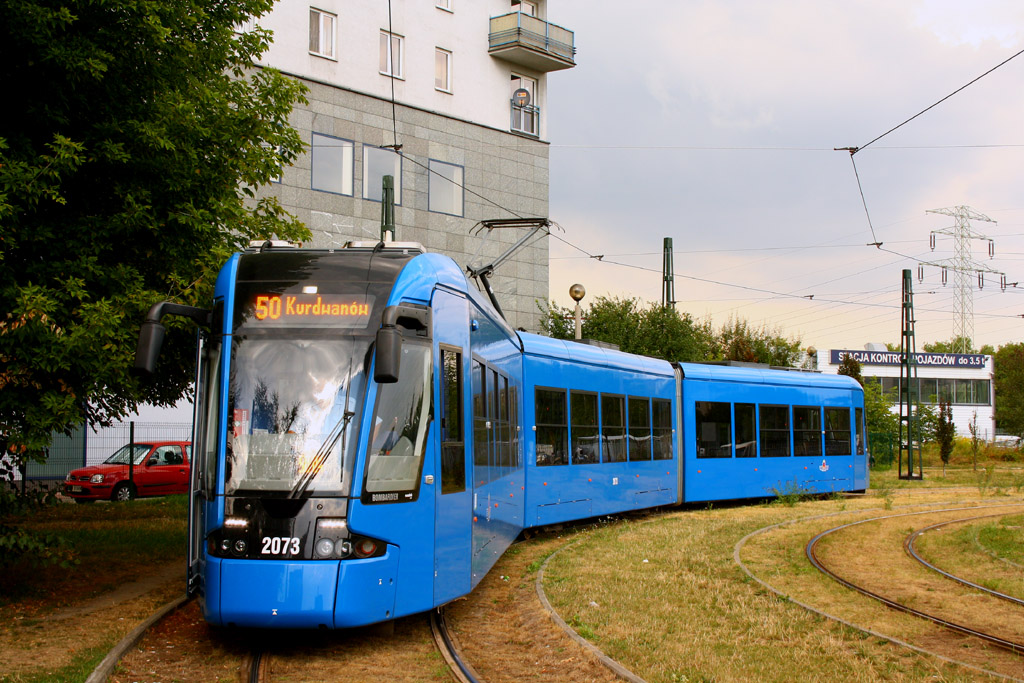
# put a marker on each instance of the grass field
(109, 543)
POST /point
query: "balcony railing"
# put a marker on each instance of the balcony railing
(531, 42)
(526, 119)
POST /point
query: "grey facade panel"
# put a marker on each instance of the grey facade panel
(509, 171)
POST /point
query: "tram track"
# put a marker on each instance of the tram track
(908, 545)
(1013, 644)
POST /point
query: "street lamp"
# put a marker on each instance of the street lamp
(577, 292)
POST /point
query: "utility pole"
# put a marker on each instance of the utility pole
(910, 428)
(668, 278)
(964, 268)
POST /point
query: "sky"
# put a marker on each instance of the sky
(714, 123)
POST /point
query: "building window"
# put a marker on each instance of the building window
(332, 164)
(552, 436)
(446, 5)
(377, 163)
(442, 70)
(321, 33)
(390, 54)
(444, 188)
(525, 115)
(525, 7)
(714, 429)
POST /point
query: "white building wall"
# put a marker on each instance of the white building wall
(480, 89)
(962, 414)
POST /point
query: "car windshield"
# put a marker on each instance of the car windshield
(120, 456)
(295, 406)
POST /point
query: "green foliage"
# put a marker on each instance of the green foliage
(851, 368)
(927, 422)
(651, 330)
(954, 345)
(945, 432)
(1009, 388)
(738, 340)
(878, 410)
(20, 546)
(663, 332)
(128, 170)
(791, 493)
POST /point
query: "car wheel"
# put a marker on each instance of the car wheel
(122, 492)
(82, 501)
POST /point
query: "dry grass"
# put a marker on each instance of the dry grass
(972, 550)
(665, 598)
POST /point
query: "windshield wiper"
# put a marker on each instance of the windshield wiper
(337, 433)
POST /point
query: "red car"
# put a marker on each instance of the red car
(160, 468)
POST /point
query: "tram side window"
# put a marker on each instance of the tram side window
(837, 431)
(552, 429)
(585, 435)
(480, 431)
(513, 410)
(662, 429)
(639, 429)
(807, 430)
(502, 427)
(613, 428)
(858, 418)
(714, 429)
(746, 430)
(775, 432)
(494, 447)
(453, 453)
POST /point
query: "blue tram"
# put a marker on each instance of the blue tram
(370, 435)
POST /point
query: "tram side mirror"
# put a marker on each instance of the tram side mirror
(387, 355)
(151, 339)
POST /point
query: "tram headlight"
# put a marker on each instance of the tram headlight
(240, 546)
(344, 549)
(324, 547)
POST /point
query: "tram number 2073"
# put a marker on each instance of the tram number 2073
(280, 545)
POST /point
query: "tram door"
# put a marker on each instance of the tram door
(453, 493)
(207, 367)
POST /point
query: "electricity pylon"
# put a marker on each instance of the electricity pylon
(964, 267)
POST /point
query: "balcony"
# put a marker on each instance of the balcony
(531, 43)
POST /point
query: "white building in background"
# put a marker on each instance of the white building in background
(963, 379)
(462, 86)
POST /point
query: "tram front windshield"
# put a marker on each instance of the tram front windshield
(295, 405)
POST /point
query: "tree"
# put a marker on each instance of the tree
(1009, 388)
(741, 341)
(128, 169)
(878, 410)
(951, 346)
(651, 330)
(945, 433)
(851, 368)
(664, 332)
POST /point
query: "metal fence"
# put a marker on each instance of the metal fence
(86, 446)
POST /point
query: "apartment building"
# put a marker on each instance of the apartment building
(461, 86)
